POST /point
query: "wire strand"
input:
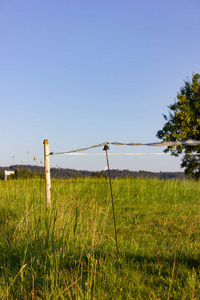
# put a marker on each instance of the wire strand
(169, 144)
(101, 154)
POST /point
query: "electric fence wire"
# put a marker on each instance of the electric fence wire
(169, 144)
(101, 154)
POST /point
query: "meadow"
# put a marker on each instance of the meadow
(69, 252)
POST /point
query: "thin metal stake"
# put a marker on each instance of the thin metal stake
(106, 147)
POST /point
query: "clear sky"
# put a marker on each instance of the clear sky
(82, 72)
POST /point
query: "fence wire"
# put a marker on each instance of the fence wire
(169, 144)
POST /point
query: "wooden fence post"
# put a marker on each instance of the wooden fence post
(47, 173)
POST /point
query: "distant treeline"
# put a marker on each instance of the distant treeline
(28, 171)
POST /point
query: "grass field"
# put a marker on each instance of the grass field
(69, 251)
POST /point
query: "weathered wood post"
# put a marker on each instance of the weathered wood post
(47, 173)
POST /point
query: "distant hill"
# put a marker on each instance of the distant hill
(71, 173)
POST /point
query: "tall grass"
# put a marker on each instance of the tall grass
(69, 251)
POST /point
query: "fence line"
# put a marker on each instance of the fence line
(105, 144)
(106, 147)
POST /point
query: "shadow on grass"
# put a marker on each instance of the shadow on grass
(190, 262)
(46, 262)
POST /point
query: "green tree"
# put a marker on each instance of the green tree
(183, 123)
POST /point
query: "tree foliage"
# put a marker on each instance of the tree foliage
(25, 173)
(183, 123)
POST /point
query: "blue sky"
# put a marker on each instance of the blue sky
(79, 73)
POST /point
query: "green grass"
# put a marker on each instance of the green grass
(69, 251)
